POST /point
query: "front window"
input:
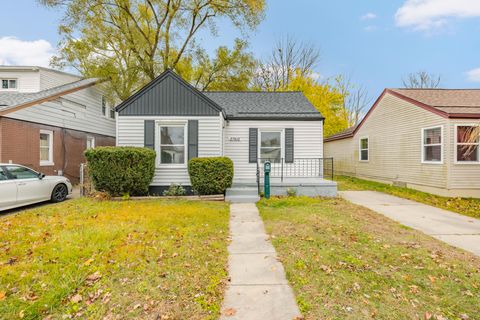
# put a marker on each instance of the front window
(17, 172)
(467, 144)
(9, 84)
(432, 145)
(271, 145)
(364, 149)
(172, 144)
(46, 147)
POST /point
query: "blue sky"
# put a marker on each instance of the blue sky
(375, 42)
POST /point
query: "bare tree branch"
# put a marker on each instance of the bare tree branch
(422, 80)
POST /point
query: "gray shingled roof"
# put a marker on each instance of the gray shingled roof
(12, 99)
(265, 105)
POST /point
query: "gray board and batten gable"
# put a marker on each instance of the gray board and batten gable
(168, 95)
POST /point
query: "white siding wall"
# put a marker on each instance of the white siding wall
(50, 78)
(85, 114)
(308, 143)
(27, 81)
(463, 176)
(130, 132)
(395, 146)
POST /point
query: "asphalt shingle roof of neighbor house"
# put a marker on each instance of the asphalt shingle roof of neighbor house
(13, 100)
(447, 103)
(265, 105)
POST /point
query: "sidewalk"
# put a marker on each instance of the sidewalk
(453, 228)
(258, 289)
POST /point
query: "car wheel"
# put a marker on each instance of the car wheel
(59, 193)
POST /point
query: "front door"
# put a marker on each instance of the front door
(8, 191)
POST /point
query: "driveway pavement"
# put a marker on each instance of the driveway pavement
(452, 228)
(258, 289)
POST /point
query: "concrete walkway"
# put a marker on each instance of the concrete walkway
(258, 289)
(452, 228)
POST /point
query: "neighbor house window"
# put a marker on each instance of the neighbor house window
(112, 113)
(467, 144)
(271, 145)
(9, 84)
(90, 142)
(46, 147)
(363, 147)
(172, 144)
(432, 145)
(104, 106)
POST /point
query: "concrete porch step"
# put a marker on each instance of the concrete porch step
(242, 194)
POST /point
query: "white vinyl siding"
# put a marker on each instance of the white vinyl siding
(80, 111)
(308, 143)
(130, 132)
(50, 79)
(27, 81)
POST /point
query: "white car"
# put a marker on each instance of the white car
(20, 186)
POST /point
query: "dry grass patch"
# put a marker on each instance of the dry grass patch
(347, 262)
(115, 260)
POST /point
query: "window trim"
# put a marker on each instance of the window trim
(455, 144)
(92, 138)
(360, 149)
(158, 140)
(103, 104)
(441, 144)
(9, 79)
(50, 161)
(282, 142)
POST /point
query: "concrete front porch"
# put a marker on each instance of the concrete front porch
(308, 186)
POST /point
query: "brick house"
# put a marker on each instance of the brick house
(49, 118)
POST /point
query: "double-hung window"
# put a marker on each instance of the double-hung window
(363, 149)
(467, 144)
(432, 145)
(46, 147)
(271, 145)
(172, 144)
(9, 84)
(90, 142)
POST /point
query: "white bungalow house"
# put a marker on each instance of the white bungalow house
(179, 123)
(415, 138)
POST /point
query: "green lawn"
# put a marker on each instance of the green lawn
(159, 259)
(466, 206)
(347, 262)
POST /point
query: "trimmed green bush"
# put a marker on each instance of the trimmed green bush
(210, 175)
(121, 170)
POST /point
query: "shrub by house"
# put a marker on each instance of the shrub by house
(210, 175)
(121, 170)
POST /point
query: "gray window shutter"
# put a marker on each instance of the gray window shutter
(149, 134)
(289, 157)
(252, 145)
(192, 139)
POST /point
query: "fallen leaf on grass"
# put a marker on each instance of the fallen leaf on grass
(3, 294)
(94, 277)
(432, 278)
(76, 298)
(229, 312)
(88, 262)
(427, 316)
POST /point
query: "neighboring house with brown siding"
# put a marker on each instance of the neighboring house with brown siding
(48, 118)
(414, 138)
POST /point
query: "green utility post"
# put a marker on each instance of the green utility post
(266, 169)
